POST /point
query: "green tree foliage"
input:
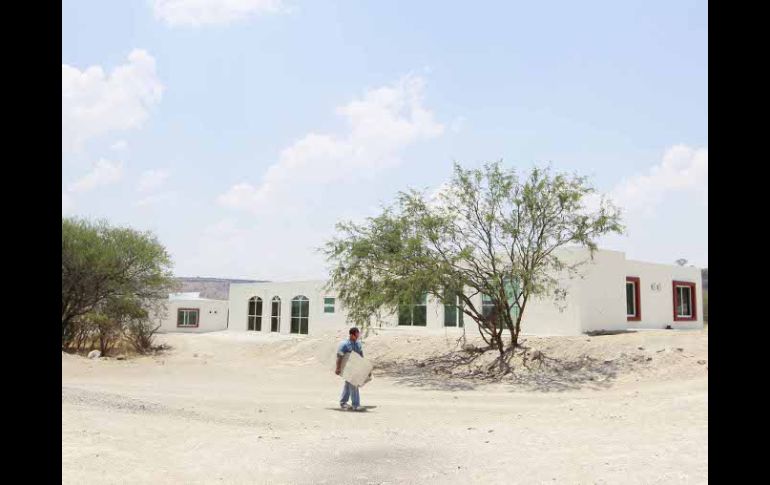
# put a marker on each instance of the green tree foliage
(110, 278)
(488, 232)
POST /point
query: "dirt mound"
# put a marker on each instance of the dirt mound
(543, 363)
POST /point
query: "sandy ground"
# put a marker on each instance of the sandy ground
(224, 408)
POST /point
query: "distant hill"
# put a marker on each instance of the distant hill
(214, 288)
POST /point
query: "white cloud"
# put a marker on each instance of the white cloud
(152, 180)
(155, 199)
(119, 145)
(683, 169)
(380, 125)
(105, 172)
(194, 13)
(95, 103)
(67, 204)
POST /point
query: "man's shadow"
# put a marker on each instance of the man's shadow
(361, 409)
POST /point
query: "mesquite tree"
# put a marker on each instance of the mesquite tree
(487, 233)
(109, 271)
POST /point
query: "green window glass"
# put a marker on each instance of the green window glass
(275, 314)
(300, 314)
(630, 297)
(187, 317)
(415, 314)
(255, 314)
(453, 313)
(328, 305)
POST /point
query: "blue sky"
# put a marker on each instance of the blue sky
(240, 131)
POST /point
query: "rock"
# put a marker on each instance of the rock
(94, 354)
(121, 357)
(195, 355)
(640, 348)
(702, 362)
(421, 364)
(649, 359)
(679, 349)
(608, 361)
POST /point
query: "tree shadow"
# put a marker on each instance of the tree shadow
(528, 370)
(435, 372)
(599, 333)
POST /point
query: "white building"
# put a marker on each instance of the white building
(613, 293)
(189, 313)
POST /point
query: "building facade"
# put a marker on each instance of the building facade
(189, 313)
(611, 294)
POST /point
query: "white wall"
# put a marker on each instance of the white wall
(658, 306)
(595, 300)
(318, 321)
(212, 316)
(600, 290)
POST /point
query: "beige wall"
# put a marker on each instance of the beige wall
(212, 316)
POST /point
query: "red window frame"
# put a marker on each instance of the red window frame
(693, 303)
(197, 320)
(637, 295)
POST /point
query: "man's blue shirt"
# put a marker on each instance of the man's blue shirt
(347, 346)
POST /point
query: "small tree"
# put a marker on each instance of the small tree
(681, 261)
(140, 329)
(105, 270)
(487, 233)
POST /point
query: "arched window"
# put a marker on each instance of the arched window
(255, 313)
(300, 310)
(275, 314)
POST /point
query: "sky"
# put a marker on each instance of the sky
(241, 131)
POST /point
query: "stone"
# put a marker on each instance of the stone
(702, 362)
(94, 354)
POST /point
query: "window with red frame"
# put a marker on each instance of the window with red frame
(633, 302)
(684, 301)
(187, 317)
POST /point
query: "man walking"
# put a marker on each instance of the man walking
(349, 390)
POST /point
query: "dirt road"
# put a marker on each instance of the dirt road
(246, 409)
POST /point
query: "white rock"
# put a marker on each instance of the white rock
(94, 354)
